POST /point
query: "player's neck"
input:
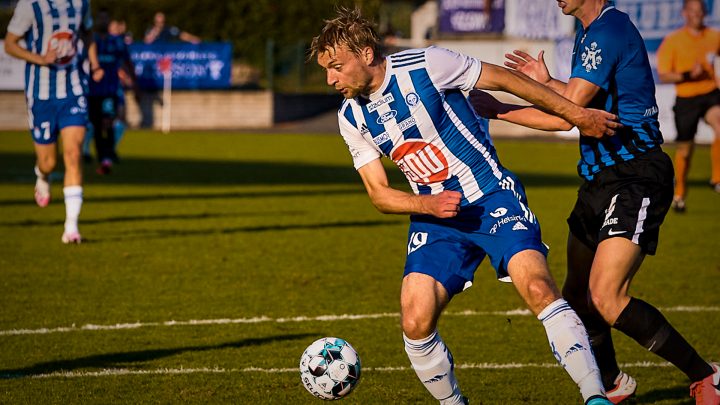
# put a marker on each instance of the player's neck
(379, 68)
(590, 12)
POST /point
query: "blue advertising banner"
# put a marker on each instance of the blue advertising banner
(194, 66)
(469, 17)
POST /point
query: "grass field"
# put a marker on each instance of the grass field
(213, 259)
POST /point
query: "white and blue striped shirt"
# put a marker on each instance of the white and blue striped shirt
(421, 119)
(57, 23)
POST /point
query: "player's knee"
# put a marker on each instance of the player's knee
(46, 163)
(606, 303)
(417, 327)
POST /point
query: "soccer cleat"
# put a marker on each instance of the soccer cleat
(598, 400)
(715, 186)
(678, 205)
(71, 237)
(707, 390)
(42, 196)
(624, 388)
(105, 167)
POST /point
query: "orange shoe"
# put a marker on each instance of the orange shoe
(624, 388)
(707, 390)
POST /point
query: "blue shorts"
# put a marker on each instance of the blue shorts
(499, 225)
(48, 117)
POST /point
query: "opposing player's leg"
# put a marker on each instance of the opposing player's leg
(712, 117)
(72, 137)
(616, 262)
(618, 385)
(422, 300)
(566, 333)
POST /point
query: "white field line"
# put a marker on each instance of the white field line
(265, 319)
(218, 370)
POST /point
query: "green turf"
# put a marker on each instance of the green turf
(222, 225)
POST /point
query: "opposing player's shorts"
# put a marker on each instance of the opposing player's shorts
(689, 111)
(48, 117)
(499, 225)
(628, 200)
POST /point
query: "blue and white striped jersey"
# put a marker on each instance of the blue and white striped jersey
(57, 23)
(421, 119)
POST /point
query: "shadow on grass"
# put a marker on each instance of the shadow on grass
(678, 393)
(195, 196)
(145, 218)
(170, 233)
(127, 359)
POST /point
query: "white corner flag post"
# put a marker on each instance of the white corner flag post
(165, 67)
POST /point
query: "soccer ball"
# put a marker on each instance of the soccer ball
(330, 368)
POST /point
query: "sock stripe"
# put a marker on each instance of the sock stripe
(561, 308)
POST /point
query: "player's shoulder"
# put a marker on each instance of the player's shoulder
(407, 58)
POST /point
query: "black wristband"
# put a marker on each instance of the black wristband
(686, 76)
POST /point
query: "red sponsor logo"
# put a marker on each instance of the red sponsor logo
(421, 162)
(63, 42)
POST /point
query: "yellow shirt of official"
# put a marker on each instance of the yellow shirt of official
(681, 50)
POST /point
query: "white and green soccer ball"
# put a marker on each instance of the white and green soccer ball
(330, 368)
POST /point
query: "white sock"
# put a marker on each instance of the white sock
(73, 204)
(433, 364)
(42, 183)
(571, 347)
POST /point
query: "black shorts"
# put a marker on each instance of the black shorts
(689, 111)
(627, 200)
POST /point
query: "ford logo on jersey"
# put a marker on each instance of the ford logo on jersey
(386, 117)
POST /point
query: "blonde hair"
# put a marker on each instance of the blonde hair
(348, 28)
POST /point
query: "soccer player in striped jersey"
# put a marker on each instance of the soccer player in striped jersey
(627, 191)
(465, 205)
(55, 89)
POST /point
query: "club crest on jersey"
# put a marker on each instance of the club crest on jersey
(371, 107)
(499, 212)
(385, 117)
(412, 99)
(421, 162)
(591, 57)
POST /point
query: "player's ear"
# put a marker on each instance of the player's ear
(368, 55)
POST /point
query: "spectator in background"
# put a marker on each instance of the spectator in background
(55, 35)
(159, 32)
(103, 101)
(686, 58)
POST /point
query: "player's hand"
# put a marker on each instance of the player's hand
(50, 56)
(98, 74)
(485, 105)
(598, 123)
(446, 204)
(535, 69)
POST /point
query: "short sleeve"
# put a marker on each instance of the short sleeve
(452, 70)
(361, 151)
(22, 19)
(597, 58)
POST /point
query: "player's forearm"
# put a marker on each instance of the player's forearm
(391, 201)
(532, 91)
(557, 86)
(533, 118)
(14, 49)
